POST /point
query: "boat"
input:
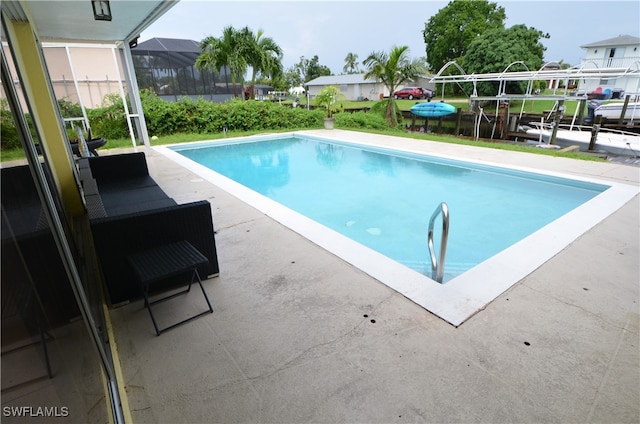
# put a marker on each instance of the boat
(614, 110)
(612, 142)
(432, 109)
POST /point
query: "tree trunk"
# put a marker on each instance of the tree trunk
(233, 84)
(253, 84)
(391, 115)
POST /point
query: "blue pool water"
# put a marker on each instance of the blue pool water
(384, 198)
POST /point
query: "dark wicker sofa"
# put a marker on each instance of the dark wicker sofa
(129, 213)
(31, 265)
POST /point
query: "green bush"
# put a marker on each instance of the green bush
(200, 117)
(8, 134)
(69, 109)
(361, 120)
(9, 138)
(380, 108)
(109, 121)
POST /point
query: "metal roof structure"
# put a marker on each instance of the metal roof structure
(181, 53)
(542, 74)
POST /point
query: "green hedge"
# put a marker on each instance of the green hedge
(8, 132)
(361, 120)
(109, 120)
(200, 116)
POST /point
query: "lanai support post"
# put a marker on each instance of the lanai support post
(134, 95)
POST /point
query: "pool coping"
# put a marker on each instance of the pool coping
(464, 295)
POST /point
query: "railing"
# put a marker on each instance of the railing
(610, 62)
(437, 263)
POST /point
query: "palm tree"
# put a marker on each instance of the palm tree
(229, 50)
(351, 63)
(393, 69)
(264, 56)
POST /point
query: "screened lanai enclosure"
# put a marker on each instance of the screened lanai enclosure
(167, 67)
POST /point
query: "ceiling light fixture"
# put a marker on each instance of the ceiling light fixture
(101, 10)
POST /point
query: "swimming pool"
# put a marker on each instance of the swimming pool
(387, 199)
(383, 199)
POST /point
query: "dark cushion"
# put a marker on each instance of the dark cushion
(107, 169)
(20, 202)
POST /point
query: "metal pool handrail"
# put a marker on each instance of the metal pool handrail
(437, 265)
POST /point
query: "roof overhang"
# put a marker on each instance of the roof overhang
(73, 20)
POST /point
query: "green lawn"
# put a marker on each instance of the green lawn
(530, 106)
(503, 145)
(534, 106)
(495, 144)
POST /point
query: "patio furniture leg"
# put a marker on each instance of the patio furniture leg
(148, 304)
(166, 261)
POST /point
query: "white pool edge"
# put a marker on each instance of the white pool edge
(463, 296)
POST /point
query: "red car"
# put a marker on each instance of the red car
(409, 93)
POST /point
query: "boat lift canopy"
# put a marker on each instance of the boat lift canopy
(542, 74)
(505, 76)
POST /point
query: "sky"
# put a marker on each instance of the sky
(332, 29)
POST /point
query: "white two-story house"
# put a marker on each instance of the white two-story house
(622, 52)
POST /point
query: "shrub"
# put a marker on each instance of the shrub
(69, 109)
(109, 121)
(328, 99)
(380, 108)
(8, 133)
(361, 120)
(199, 116)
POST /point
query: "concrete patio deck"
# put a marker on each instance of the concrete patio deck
(299, 335)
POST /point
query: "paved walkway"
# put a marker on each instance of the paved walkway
(298, 335)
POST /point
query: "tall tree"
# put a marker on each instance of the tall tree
(293, 77)
(351, 64)
(231, 50)
(309, 69)
(449, 32)
(495, 50)
(301, 69)
(264, 55)
(315, 69)
(392, 69)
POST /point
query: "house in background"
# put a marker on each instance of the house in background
(356, 87)
(553, 83)
(261, 91)
(352, 86)
(620, 53)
